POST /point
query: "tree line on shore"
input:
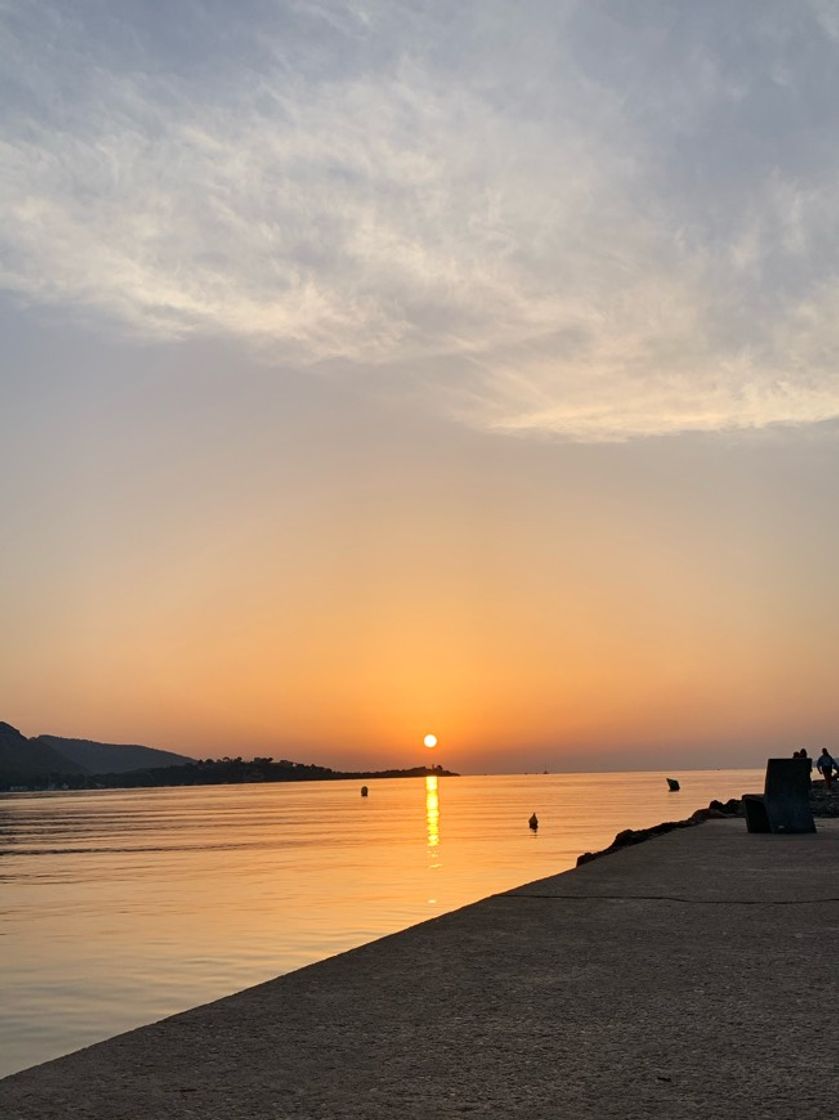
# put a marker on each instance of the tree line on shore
(222, 771)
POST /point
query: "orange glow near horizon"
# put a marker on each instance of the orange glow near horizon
(547, 624)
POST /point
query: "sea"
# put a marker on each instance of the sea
(119, 907)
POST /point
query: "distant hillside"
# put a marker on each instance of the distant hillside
(50, 761)
(23, 761)
(111, 758)
(235, 771)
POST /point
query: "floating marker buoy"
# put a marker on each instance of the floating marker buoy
(534, 822)
(364, 791)
(672, 785)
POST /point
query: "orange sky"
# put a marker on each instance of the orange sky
(330, 584)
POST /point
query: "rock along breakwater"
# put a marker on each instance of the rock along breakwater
(629, 836)
(824, 804)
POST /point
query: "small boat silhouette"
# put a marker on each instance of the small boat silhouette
(673, 785)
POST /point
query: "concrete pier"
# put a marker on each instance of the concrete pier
(694, 975)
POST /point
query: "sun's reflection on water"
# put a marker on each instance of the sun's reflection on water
(432, 825)
(432, 810)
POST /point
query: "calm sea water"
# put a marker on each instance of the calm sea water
(118, 907)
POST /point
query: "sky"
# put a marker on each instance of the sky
(375, 369)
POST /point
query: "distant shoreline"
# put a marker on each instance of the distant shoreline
(231, 772)
(51, 762)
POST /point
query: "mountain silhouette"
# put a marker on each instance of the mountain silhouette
(50, 761)
(25, 760)
(111, 758)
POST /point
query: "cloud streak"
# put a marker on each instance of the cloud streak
(559, 223)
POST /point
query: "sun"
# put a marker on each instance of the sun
(430, 740)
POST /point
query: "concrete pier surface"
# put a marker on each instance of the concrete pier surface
(694, 975)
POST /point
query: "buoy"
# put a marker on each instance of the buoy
(364, 791)
(534, 822)
(672, 785)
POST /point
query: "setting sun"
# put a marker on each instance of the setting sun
(430, 740)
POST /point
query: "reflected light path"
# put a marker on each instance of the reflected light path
(432, 824)
(432, 811)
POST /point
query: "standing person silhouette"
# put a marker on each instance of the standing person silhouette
(803, 754)
(825, 765)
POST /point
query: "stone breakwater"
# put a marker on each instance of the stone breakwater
(823, 801)
(652, 986)
(630, 836)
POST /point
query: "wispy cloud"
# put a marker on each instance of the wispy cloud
(550, 219)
